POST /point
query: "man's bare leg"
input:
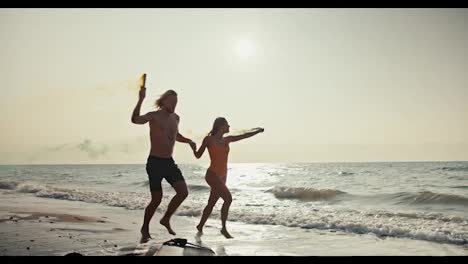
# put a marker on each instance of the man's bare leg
(181, 193)
(149, 212)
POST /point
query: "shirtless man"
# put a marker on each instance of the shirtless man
(164, 132)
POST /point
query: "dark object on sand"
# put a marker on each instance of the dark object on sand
(73, 254)
(181, 247)
(174, 247)
(182, 242)
(28, 248)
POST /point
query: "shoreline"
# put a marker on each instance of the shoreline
(62, 227)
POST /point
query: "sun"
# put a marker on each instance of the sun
(245, 48)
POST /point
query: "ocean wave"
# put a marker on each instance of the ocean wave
(460, 187)
(194, 187)
(304, 194)
(380, 224)
(186, 211)
(457, 168)
(255, 205)
(144, 183)
(29, 187)
(421, 216)
(191, 187)
(427, 197)
(406, 198)
(8, 185)
(128, 200)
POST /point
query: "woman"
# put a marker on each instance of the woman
(218, 148)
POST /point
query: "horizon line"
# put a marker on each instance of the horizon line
(296, 162)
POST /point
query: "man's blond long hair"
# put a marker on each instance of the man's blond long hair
(159, 101)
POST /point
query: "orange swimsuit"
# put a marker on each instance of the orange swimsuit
(219, 159)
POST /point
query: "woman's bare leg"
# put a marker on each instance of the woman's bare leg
(214, 196)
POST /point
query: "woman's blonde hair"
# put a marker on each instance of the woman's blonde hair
(218, 123)
(159, 101)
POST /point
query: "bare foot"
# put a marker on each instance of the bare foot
(145, 236)
(198, 237)
(166, 223)
(225, 233)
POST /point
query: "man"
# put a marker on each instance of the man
(164, 132)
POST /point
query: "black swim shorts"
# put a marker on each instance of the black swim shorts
(159, 168)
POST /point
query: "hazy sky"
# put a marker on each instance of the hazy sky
(326, 84)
